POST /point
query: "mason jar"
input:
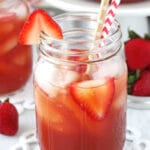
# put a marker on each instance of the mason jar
(15, 59)
(80, 87)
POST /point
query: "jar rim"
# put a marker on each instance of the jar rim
(114, 36)
(75, 15)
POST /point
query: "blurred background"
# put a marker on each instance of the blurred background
(132, 14)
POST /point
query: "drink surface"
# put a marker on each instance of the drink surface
(64, 124)
(15, 59)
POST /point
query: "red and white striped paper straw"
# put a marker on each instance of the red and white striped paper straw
(110, 16)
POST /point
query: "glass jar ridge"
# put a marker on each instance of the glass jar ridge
(78, 31)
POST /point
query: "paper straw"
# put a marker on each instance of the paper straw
(101, 18)
(110, 16)
(105, 18)
(104, 21)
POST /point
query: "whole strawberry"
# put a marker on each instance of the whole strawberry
(8, 118)
(142, 86)
(137, 51)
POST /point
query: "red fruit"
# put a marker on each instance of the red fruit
(137, 53)
(142, 86)
(39, 21)
(79, 56)
(94, 96)
(8, 119)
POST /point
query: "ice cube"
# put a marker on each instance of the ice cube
(109, 68)
(8, 44)
(51, 78)
(6, 29)
(24, 9)
(21, 57)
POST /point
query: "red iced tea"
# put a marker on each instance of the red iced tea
(15, 59)
(63, 125)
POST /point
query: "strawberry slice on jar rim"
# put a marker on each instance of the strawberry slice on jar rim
(37, 22)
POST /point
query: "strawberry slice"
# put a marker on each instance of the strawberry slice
(142, 86)
(94, 96)
(39, 21)
(137, 53)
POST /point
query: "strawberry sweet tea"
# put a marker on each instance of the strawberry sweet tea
(80, 94)
(15, 59)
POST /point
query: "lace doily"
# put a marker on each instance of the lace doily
(28, 141)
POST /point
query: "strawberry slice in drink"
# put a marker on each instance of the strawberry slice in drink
(94, 96)
(37, 22)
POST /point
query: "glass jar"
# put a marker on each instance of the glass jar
(15, 59)
(80, 87)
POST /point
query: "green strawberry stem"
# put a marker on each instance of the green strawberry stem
(132, 78)
(147, 36)
(7, 99)
(133, 35)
